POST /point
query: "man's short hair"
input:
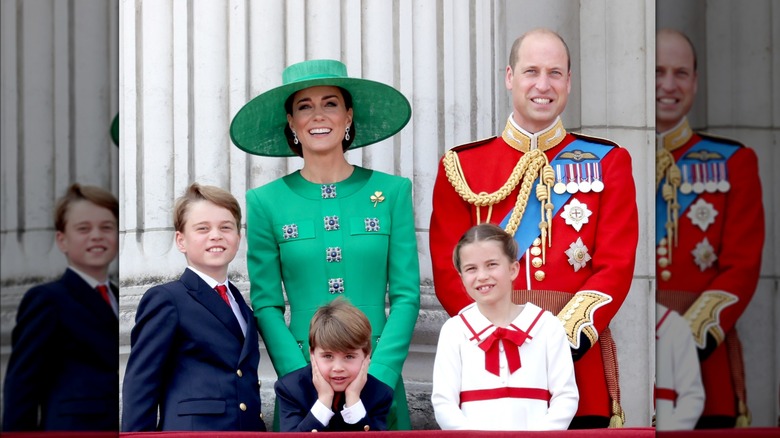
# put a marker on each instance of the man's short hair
(516, 46)
(688, 40)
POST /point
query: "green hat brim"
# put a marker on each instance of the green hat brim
(115, 129)
(379, 111)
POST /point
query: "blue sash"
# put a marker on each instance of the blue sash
(528, 230)
(724, 149)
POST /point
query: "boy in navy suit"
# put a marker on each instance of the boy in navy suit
(64, 366)
(194, 347)
(335, 392)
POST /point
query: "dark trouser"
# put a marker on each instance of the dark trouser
(589, 422)
(716, 422)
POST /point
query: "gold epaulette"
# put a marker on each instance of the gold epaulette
(704, 316)
(473, 144)
(718, 138)
(577, 316)
(595, 139)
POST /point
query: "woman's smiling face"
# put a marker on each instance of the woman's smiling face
(320, 119)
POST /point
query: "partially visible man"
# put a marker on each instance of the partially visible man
(709, 231)
(570, 202)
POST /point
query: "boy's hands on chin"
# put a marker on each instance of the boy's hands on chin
(352, 393)
(324, 390)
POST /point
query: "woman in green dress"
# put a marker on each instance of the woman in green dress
(330, 228)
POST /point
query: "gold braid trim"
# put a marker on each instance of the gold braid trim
(704, 315)
(577, 316)
(665, 166)
(618, 418)
(530, 166)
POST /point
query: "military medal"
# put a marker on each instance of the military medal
(704, 254)
(571, 186)
(698, 185)
(578, 254)
(585, 177)
(723, 183)
(559, 187)
(597, 186)
(711, 186)
(685, 188)
(576, 214)
(702, 214)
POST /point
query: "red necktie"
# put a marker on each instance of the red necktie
(337, 401)
(104, 293)
(222, 289)
(512, 340)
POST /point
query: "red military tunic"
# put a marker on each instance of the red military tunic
(603, 250)
(714, 265)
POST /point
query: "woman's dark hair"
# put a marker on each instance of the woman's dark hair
(296, 148)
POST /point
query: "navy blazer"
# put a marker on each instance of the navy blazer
(190, 359)
(296, 395)
(64, 360)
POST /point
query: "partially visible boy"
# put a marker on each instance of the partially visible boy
(194, 347)
(64, 367)
(335, 392)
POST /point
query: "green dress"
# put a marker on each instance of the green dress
(315, 242)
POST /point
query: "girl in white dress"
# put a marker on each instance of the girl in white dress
(499, 365)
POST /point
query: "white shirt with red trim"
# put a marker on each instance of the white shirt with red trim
(508, 401)
(679, 389)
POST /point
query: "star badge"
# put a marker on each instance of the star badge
(576, 214)
(578, 254)
(702, 214)
(704, 254)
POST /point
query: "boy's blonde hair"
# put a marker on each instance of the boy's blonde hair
(340, 326)
(77, 192)
(196, 192)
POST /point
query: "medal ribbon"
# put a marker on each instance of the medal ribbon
(528, 229)
(685, 201)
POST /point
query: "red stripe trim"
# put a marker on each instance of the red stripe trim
(661, 321)
(663, 318)
(473, 332)
(665, 394)
(468, 326)
(534, 323)
(496, 393)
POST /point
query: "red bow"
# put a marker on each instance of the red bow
(513, 339)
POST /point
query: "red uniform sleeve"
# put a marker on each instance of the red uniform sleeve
(617, 234)
(742, 238)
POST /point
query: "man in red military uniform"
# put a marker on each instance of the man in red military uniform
(570, 202)
(709, 231)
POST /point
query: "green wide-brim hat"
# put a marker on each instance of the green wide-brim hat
(379, 110)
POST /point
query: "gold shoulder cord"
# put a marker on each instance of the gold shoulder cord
(666, 167)
(530, 166)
